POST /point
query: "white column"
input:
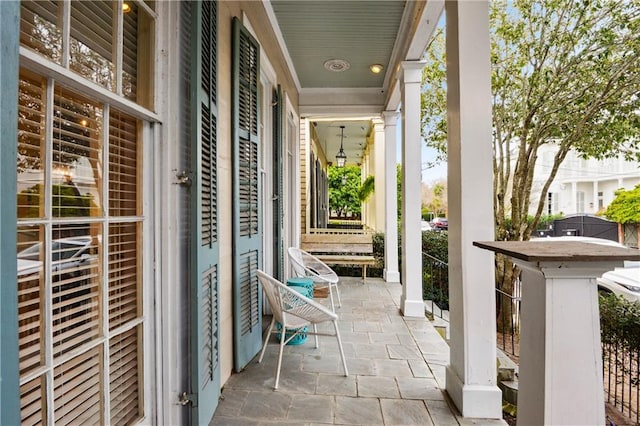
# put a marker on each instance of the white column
(411, 302)
(594, 197)
(379, 173)
(574, 197)
(560, 344)
(471, 374)
(391, 271)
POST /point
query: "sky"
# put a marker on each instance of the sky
(431, 175)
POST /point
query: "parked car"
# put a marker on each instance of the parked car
(440, 223)
(623, 281)
(425, 226)
(66, 253)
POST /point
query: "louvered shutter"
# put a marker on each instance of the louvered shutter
(204, 303)
(247, 214)
(278, 168)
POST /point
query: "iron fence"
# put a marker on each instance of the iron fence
(435, 285)
(508, 319)
(622, 379)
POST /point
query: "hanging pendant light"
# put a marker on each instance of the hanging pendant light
(341, 157)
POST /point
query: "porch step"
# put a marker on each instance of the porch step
(508, 381)
(509, 390)
(507, 369)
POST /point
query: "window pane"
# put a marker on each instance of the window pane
(137, 54)
(40, 29)
(30, 297)
(77, 389)
(31, 130)
(33, 402)
(91, 41)
(123, 164)
(125, 377)
(75, 254)
(124, 274)
(77, 156)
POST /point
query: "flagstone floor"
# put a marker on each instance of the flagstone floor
(396, 371)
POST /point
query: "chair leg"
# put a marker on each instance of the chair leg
(333, 308)
(282, 339)
(338, 294)
(266, 339)
(344, 361)
(315, 330)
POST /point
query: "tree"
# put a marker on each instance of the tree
(564, 72)
(625, 208)
(344, 187)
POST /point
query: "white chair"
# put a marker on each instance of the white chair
(307, 265)
(295, 312)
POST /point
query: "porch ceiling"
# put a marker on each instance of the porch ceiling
(362, 33)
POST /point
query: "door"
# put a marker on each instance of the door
(247, 214)
(200, 43)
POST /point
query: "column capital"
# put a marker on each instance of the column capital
(412, 71)
(377, 122)
(390, 117)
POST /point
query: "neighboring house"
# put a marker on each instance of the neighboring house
(582, 186)
(185, 128)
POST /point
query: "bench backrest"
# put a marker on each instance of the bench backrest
(360, 243)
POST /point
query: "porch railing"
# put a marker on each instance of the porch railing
(435, 285)
(622, 379)
(508, 320)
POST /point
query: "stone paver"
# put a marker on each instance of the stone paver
(405, 412)
(358, 411)
(379, 387)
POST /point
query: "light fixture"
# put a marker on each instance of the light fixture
(336, 65)
(341, 157)
(126, 8)
(376, 68)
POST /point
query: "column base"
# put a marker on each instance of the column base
(391, 276)
(474, 401)
(412, 308)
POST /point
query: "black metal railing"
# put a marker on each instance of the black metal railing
(435, 285)
(620, 336)
(621, 379)
(508, 319)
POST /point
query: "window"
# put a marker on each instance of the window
(600, 200)
(79, 268)
(580, 202)
(80, 218)
(552, 203)
(87, 47)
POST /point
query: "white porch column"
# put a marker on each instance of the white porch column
(594, 197)
(471, 374)
(411, 302)
(574, 197)
(391, 271)
(379, 173)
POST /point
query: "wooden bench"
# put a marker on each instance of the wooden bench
(341, 248)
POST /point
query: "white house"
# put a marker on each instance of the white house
(582, 186)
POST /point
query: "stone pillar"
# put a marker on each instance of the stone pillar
(471, 374)
(391, 271)
(411, 302)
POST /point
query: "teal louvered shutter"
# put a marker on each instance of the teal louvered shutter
(278, 196)
(247, 211)
(204, 303)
